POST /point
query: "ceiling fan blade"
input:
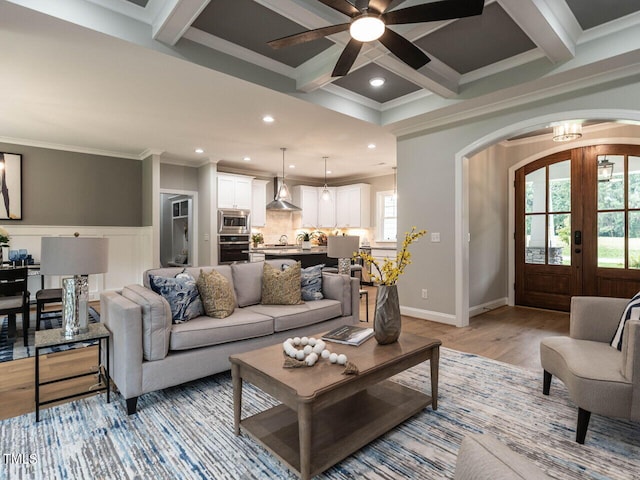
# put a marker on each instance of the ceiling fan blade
(348, 56)
(307, 36)
(342, 6)
(404, 49)
(431, 12)
(379, 5)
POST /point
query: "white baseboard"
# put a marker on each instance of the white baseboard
(429, 315)
(485, 307)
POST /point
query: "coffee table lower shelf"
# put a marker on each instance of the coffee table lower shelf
(339, 429)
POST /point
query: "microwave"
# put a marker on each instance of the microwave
(234, 221)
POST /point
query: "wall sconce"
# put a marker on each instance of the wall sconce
(605, 169)
(567, 131)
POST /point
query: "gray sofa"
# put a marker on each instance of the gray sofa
(150, 353)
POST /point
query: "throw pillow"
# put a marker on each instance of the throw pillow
(311, 283)
(181, 292)
(216, 293)
(631, 312)
(281, 287)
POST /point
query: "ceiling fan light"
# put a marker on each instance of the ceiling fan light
(567, 131)
(377, 81)
(367, 28)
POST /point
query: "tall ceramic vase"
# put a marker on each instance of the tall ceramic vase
(387, 322)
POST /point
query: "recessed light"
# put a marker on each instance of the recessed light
(328, 172)
(268, 119)
(377, 81)
(292, 166)
(371, 146)
(199, 150)
(247, 159)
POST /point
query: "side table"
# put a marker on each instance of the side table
(53, 338)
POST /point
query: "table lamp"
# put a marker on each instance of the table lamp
(343, 248)
(79, 257)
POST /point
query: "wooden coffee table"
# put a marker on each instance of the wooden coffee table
(326, 416)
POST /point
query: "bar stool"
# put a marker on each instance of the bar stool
(45, 296)
(364, 292)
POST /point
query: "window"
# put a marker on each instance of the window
(387, 216)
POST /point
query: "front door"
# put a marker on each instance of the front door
(578, 226)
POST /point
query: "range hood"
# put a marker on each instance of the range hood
(278, 203)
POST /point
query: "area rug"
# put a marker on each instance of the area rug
(186, 432)
(15, 349)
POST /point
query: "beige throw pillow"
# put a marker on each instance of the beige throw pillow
(281, 287)
(216, 294)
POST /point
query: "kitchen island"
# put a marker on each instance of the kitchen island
(307, 258)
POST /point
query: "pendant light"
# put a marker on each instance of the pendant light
(326, 193)
(282, 194)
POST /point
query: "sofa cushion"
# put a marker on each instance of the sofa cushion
(247, 282)
(182, 294)
(281, 287)
(311, 283)
(156, 320)
(338, 287)
(287, 317)
(216, 293)
(483, 457)
(631, 312)
(204, 331)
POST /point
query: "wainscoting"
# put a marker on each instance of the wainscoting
(130, 253)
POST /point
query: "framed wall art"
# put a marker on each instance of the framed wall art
(10, 186)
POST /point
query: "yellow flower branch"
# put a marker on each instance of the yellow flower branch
(391, 269)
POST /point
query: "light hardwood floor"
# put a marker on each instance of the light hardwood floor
(507, 334)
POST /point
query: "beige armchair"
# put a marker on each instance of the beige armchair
(600, 379)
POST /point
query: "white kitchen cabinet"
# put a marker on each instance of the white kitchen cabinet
(327, 209)
(353, 206)
(259, 203)
(306, 198)
(234, 191)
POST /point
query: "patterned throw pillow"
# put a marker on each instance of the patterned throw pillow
(281, 287)
(311, 283)
(217, 294)
(182, 294)
(631, 312)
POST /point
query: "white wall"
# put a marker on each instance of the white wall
(433, 186)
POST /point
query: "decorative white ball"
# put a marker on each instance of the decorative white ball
(312, 341)
(342, 359)
(314, 356)
(310, 361)
(307, 349)
(333, 358)
(293, 353)
(318, 348)
(296, 341)
(300, 355)
(325, 353)
(304, 341)
(289, 341)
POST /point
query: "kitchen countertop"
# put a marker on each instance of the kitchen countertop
(283, 252)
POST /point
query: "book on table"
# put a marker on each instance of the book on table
(348, 335)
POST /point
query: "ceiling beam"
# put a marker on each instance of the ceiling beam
(175, 18)
(553, 34)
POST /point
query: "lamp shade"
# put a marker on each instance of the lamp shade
(342, 247)
(73, 255)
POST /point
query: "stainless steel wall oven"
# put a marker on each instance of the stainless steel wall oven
(233, 248)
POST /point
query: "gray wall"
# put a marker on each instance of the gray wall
(426, 179)
(68, 188)
(178, 177)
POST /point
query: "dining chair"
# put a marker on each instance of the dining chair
(14, 299)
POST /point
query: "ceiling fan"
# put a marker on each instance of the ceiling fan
(370, 21)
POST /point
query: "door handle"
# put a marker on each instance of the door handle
(577, 237)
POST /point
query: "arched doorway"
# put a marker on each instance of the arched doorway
(577, 220)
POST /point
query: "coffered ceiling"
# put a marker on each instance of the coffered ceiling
(507, 55)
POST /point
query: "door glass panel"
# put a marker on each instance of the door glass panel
(559, 239)
(634, 239)
(611, 192)
(634, 182)
(535, 191)
(560, 187)
(611, 239)
(535, 242)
